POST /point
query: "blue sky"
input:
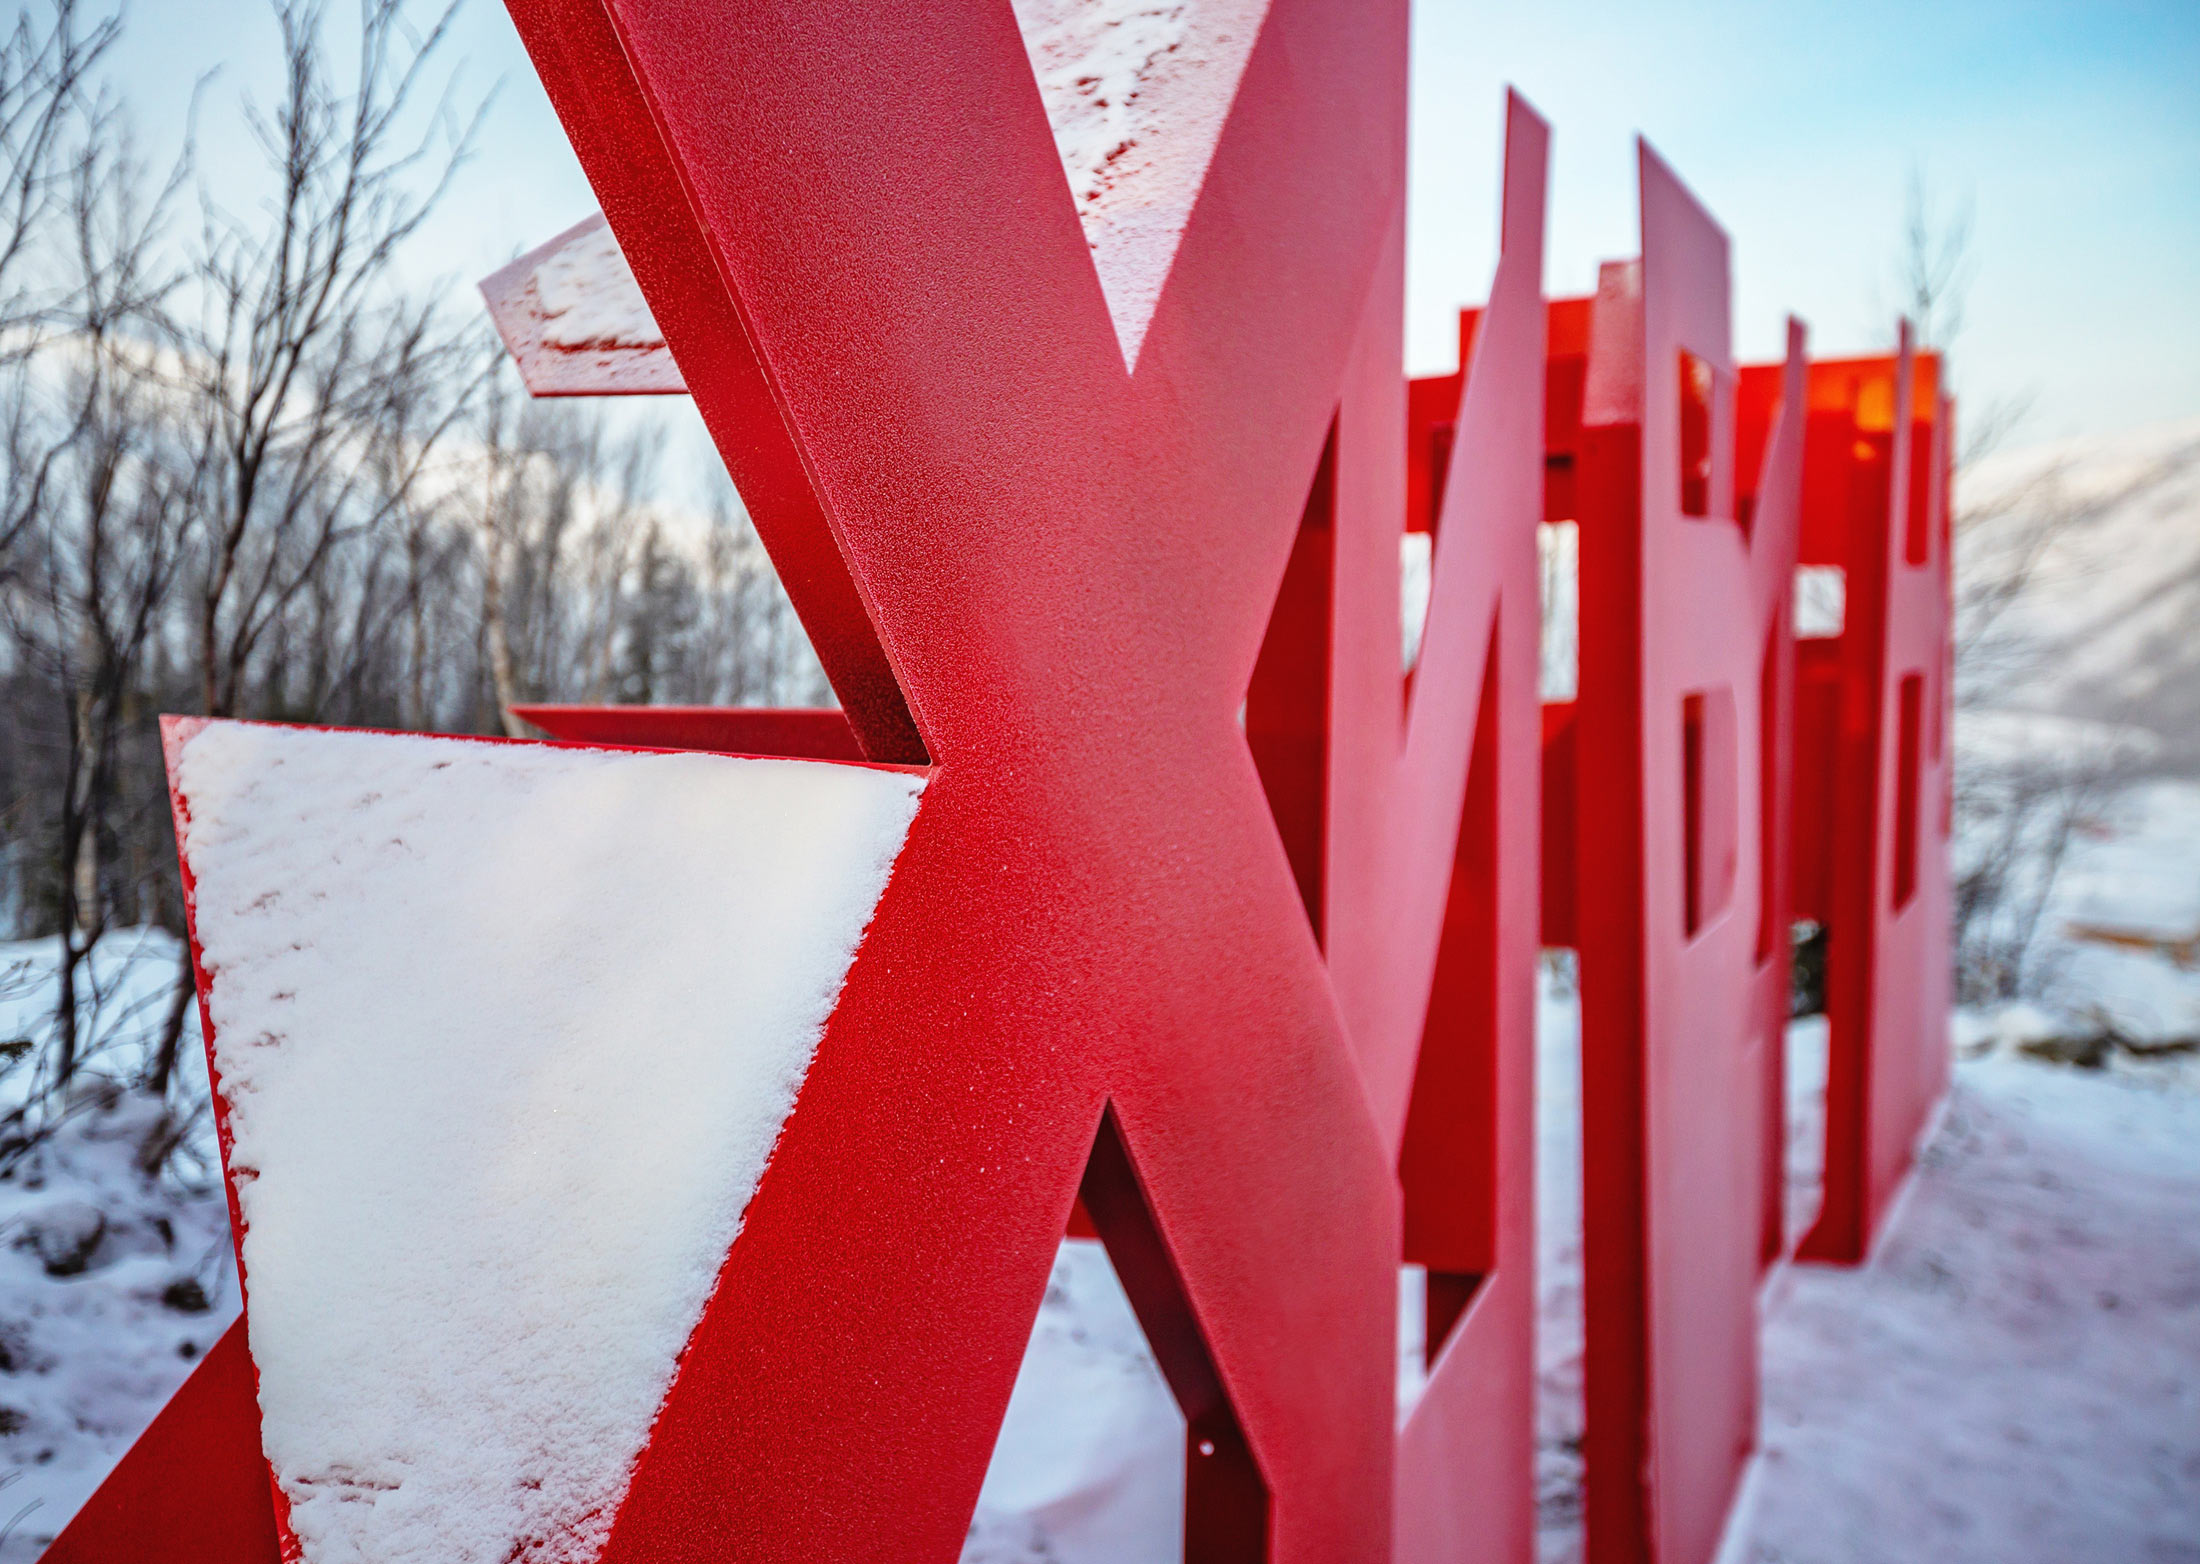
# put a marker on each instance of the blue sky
(2072, 129)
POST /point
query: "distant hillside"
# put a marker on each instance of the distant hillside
(2078, 567)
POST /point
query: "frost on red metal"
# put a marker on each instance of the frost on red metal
(1659, 776)
(1871, 834)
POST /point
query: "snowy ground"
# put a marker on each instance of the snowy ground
(2015, 1377)
(112, 1284)
(1559, 1411)
(2133, 872)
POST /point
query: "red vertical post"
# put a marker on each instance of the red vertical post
(1674, 907)
(1876, 505)
(1434, 896)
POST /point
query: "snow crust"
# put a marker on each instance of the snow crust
(1136, 92)
(1821, 600)
(506, 1034)
(589, 297)
(1416, 579)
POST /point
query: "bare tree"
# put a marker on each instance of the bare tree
(2019, 815)
(45, 93)
(48, 115)
(320, 392)
(2004, 538)
(504, 472)
(96, 554)
(2020, 795)
(1937, 263)
(304, 347)
(244, 469)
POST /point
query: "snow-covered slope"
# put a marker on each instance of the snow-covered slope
(2107, 626)
(2117, 956)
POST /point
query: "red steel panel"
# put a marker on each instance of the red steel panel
(1432, 890)
(1687, 546)
(192, 1490)
(803, 733)
(1047, 577)
(1768, 474)
(1877, 495)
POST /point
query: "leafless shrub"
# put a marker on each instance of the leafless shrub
(2024, 783)
(246, 470)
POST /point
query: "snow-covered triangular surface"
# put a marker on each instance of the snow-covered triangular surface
(1137, 92)
(506, 1034)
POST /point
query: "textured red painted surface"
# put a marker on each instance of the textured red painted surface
(1050, 578)
(193, 1489)
(1433, 894)
(807, 733)
(1679, 919)
(1872, 848)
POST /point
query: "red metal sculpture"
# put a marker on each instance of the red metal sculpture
(1047, 577)
(986, 522)
(1069, 479)
(1660, 779)
(811, 733)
